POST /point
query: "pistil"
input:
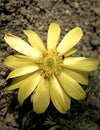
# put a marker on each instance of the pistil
(50, 63)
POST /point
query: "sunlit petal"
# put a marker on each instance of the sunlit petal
(70, 40)
(70, 52)
(21, 46)
(58, 96)
(17, 61)
(28, 86)
(41, 98)
(79, 76)
(35, 40)
(16, 82)
(71, 87)
(22, 71)
(81, 63)
(53, 36)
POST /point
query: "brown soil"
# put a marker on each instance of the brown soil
(16, 15)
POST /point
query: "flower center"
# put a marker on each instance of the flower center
(50, 63)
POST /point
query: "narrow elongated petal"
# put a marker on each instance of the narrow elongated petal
(70, 52)
(58, 96)
(18, 61)
(81, 63)
(70, 40)
(21, 46)
(35, 40)
(79, 76)
(22, 71)
(53, 36)
(41, 98)
(28, 86)
(18, 81)
(71, 87)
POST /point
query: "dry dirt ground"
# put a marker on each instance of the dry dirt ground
(16, 15)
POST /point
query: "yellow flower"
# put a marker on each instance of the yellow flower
(48, 72)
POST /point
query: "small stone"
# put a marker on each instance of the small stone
(75, 5)
(67, 12)
(97, 10)
(3, 111)
(23, 11)
(37, 9)
(95, 41)
(40, 28)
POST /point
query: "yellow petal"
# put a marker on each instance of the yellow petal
(70, 40)
(18, 61)
(53, 36)
(70, 52)
(35, 40)
(71, 87)
(21, 46)
(28, 86)
(22, 71)
(79, 76)
(16, 82)
(81, 63)
(41, 98)
(58, 96)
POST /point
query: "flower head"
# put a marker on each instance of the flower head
(48, 72)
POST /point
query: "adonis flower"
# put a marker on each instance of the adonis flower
(48, 72)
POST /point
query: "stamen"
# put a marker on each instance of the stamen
(50, 63)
